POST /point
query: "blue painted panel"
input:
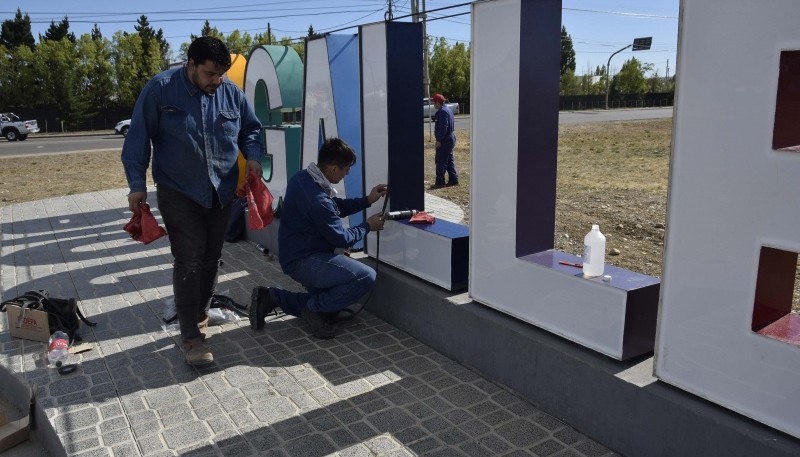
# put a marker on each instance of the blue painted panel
(539, 60)
(442, 227)
(343, 58)
(404, 61)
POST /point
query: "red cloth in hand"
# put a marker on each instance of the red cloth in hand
(143, 226)
(259, 202)
(422, 218)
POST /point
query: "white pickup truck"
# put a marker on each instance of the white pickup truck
(14, 129)
(428, 110)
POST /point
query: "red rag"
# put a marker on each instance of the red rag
(143, 227)
(422, 218)
(259, 202)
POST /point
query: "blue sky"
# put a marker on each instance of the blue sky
(598, 27)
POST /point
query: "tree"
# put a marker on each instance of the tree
(58, 31)
(95, 70)
(17, 32)
(150, 35)
(631, 78)
(567, 53)
(96, 34)
(448, 69)
(570, 84)
(238, 43)
(16, 72)
(133, 65)
(57, 64)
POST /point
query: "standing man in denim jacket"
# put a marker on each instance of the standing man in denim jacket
(197, 122)
(445, 133)
(311, 230)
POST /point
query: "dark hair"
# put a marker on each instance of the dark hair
(209, 48)
(335, 151)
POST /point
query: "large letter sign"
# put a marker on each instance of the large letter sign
(513, 268)
(332, 107)
(273, 84)
(725, 331)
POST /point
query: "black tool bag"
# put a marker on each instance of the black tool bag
(62, 313)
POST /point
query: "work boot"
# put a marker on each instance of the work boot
(261, 304)
(320, 327)
(196, 352)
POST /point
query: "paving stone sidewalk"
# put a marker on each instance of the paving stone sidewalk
(372, 391)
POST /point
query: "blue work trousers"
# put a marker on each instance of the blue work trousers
(333, 282)
(445, 162)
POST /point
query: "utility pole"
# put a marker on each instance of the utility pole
(389, 15)
(667, 74)
(417, 15)
(269, 34)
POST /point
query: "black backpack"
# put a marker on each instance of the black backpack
(62, 313)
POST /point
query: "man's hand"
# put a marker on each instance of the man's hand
(438, 144)
(377, 192)
(134, 198)
(376, 222)
(254, 166)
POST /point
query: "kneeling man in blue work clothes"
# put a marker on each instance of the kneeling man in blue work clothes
(311, 229)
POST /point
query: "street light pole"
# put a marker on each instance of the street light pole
(608, 72)
(639, 44)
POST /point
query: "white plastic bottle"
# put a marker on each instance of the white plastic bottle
(58, 349)
(594, 252)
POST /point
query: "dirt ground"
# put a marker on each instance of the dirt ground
(613, 174)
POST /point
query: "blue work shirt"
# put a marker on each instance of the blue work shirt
(445, 130)
(196, 137)
(311, 221)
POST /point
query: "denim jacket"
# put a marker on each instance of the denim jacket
(195, 137)
(311, 221)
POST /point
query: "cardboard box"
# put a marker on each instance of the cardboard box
(30, 324)
(15, 404)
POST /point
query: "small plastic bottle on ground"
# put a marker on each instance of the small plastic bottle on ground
(58, 349)
(594, 252)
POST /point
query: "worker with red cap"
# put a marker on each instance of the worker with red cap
(445, 134)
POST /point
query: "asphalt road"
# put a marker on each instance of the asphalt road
(37, 144)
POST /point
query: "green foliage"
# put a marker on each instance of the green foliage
(239, 43)
(149, 36)
(631, 78)
(58, 31)
(133, 65)
(17, 32)
(96, 34)
(570, 84)
(95, 71)
(448, 70)
(57, 64)
(567, 53)
(16, 73)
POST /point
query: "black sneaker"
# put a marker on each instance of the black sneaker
(261, 304)
(320, 327)
(452, 183)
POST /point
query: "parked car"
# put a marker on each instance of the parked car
(428, 109)
(122, 127)
(15, 129)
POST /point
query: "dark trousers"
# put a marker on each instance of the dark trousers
(444, 162)
(196, 236)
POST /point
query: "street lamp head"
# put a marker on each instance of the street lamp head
(642, 44)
